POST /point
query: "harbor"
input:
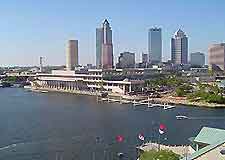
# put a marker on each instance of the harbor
(65, 127)
(149, 102)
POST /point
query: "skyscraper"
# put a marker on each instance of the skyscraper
(179, 48)
(72, 54)
(99, 42)
(197, 59)
(104, 47)
(217, 56)
(144, 58)
(126, 60)
(155, 45)
(41, 64)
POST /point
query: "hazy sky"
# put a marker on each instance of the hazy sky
(33, 28)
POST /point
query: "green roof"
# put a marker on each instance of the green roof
(204, 150)
(210, 135)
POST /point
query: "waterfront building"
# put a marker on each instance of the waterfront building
(72, 54)
(197, 59)
(144, 58)
(217, 56)
(208, 144)
(93, 80)
(179, 48)
(104, 46)
(126, 60)
(155, 45)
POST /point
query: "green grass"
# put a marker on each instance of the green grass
(161, 155)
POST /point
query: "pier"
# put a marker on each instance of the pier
(135, 101)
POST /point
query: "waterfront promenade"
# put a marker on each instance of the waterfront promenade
(184, 101)
(124, 98)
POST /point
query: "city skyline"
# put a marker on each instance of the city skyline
(33, 28)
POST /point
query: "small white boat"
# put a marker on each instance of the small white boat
(39, 91)
(168, 107)
(27, 87)
(120, 155)
(179, 117)
(44, 91)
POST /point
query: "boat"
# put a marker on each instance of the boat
(120, 155)
(39, 91)
(180, 117)
(44, 91)
(166, 106)
(27, 87)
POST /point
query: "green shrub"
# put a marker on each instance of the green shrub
(161, 155)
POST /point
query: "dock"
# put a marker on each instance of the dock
(148, 102)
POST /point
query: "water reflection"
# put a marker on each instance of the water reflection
(55, 125)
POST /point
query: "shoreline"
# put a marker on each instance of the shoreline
(184, 101)
(163, 100)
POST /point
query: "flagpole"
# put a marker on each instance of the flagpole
(138, 154)
(161, 131)
(159, 142)
(93, 155)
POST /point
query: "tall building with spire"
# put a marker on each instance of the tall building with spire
(104, 47)
(179, 48)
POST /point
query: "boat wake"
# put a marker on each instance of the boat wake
(9, 146)
(59, 140)
(207, 118)
(179, 117)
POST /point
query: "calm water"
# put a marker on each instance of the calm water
(50, 126)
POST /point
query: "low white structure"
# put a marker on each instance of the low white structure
(92, 80)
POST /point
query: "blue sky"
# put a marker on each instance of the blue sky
(29, 29)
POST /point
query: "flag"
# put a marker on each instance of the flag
(162, 128)
(119, 138)
(141, 136)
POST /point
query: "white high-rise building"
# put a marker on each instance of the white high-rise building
(179, 48)
(72, 54)
(155, 45)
